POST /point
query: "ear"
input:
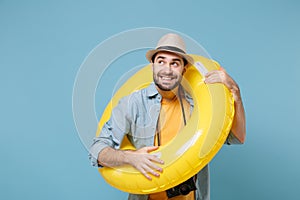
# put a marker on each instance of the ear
(152, 66)
(184, 69)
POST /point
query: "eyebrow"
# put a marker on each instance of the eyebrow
(174, 59)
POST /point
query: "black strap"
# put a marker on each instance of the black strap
(181, 104)
(171, 48)
(158, 130)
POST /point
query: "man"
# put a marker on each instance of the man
(147, 130)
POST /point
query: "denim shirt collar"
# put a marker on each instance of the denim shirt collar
(151, 91)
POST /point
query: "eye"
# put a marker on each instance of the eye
(175, 64)
(161, 62)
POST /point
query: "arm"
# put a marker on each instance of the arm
(239, 121)
(139, 159)
(105, 150)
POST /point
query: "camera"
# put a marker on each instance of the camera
(182, 189)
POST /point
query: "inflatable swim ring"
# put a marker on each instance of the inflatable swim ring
(197, 143)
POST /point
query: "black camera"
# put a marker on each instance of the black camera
(182, 189)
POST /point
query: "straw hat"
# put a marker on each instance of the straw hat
(172, 43)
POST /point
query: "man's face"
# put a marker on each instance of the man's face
(168, 69)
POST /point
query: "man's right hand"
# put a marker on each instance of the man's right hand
(140, 159)
(145, 162)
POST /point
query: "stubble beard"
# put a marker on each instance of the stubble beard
(166, 88)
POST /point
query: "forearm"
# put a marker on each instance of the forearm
(110, 157)
(239, 121)
(238, 128)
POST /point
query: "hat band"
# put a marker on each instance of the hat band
(170, 48)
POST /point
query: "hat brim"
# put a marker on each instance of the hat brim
(152, 52)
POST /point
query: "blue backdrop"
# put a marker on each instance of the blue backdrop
(43, 44)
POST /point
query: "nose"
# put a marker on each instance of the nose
(168, 69)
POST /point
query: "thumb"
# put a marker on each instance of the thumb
(152, 148)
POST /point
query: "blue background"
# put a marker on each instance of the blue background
(43, 43)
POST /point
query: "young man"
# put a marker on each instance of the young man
(153, 116)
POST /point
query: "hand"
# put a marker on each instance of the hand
(145, 162)
(220, 76)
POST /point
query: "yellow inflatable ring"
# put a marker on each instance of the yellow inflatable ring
(197, 143)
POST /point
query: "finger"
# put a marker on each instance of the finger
(157, 168)
(145, 174)
(153, 148)
(146, 170)
(151, 164)
(213, 78)
(151, 169)
(211, 73)
(147, 149)
(155, 158)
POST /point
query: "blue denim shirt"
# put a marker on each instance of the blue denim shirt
(136, 117)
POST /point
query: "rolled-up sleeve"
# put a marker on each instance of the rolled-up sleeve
(231, 139)
(112, 132)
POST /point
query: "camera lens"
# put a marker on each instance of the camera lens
(184, 189)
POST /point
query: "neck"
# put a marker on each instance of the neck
(168, 95)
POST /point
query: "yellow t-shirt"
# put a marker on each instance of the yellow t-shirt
(170, 123)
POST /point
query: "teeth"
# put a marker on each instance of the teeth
(166, 78)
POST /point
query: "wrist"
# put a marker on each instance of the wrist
(125, 155)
